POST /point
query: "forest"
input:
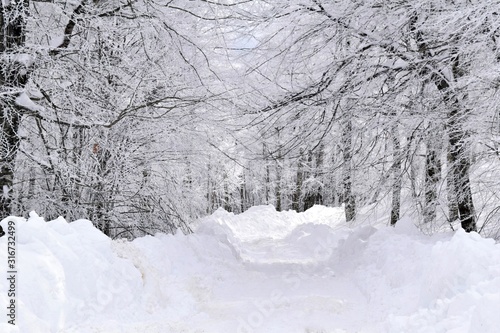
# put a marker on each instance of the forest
(144, 115)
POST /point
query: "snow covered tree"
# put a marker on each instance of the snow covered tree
(383, 63)
(122, 112)
(110, 114)
(14, 73)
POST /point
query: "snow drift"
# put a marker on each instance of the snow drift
(260, 271)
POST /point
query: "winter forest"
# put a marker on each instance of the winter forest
(250, 166)
(143, 115)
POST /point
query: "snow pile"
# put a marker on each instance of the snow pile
(260, 271)
(444, 283)
(264, 222)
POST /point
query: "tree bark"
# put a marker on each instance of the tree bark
(432, 176)
(13, 78)
(267, 180)
(297, 194)
(459, 158)
(459, 169)
(310, 195)
(451, 191)
(278, 184)
(397, 177)
(279, 169)
(349, 198)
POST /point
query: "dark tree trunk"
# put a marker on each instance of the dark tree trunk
(10, 120)
(336, 183)
(101, 196)
(227, 196)
(267, 180)
(297, 194)
(278, 185)
(243, 194)
(13, 77)
(432, 176)
(310, 195)
(459, 169)
(349, 199)
(209, 193)
(318, 172)
(459, 158)
(396, 174)
(279, 170)
(451, 191)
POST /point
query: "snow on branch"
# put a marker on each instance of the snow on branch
(25, 102)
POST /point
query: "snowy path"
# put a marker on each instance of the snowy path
(276, 271)
(287, 276)
(261, 271)
(277, 282)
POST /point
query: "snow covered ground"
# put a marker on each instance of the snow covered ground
(260, 271)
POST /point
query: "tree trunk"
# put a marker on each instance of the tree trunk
(279, 170)
(267, 179)
(297, 194)
(101, 197)
(209, 192)
(349, 198)
(459, 169)
(432, 176)
(309, 196)
(451, 191)
(243, 194)
(318, 174)
(13, 77)
(337, 191)
(227, 196)
(396, 174)
(278, 184)
(459, 158)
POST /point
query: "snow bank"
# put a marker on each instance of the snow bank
(66, 274)
(444, 283)
(260, 271)
(264, 222)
